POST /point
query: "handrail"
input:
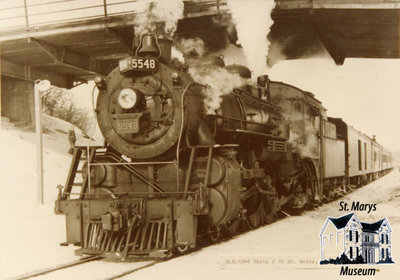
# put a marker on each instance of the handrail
(178, 145)
(131, 193)
(137, 173)
(134, 163)
(27, 15)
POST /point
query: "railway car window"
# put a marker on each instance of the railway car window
(297, 107)
(359, 156)
(372, 157)
(365, 155)
(316, 123)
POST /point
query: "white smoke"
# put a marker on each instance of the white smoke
(275, 53)
(160, 17)
(218, 82)
(192, 47)
(253, 22)
(177, 54)
(303, 139)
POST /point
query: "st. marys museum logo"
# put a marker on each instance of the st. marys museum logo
(346, 240)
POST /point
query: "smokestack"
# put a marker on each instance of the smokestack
(165, 45)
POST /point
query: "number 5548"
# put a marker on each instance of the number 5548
(140, 63)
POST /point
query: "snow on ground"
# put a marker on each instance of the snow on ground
(30, 233)
(292, 239)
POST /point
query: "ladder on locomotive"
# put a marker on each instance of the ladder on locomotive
(78, 167)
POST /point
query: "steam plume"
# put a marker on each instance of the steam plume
(275, 53)
(253, 22)
(303, 139)
(218, 82)
(160, 17)
(193, 47)
(177, 54)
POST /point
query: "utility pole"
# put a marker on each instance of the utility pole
(39, 87)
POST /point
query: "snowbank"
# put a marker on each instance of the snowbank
(30, 233)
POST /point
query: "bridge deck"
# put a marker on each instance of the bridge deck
(73, 40)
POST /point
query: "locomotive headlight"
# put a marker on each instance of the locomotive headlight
(127, 98)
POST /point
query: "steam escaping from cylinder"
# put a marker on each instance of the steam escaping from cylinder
(160, 17)
(253, 22)
(218, 82)
(303, 139)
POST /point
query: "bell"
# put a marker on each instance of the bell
(148, 46)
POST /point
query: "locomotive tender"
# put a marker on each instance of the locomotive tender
(169, 174)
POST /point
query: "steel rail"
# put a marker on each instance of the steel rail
(54, 268)
(127, 272)
(78, 262)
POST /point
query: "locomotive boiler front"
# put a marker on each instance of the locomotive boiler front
(139, 107)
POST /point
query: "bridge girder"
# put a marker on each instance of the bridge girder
(31, 73)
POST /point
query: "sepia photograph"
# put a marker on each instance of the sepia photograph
(199, 139)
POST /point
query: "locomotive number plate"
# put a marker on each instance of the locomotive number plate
(128, 126)
(127, 123)
(138, 64)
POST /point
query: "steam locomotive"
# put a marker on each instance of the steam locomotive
(169, 173)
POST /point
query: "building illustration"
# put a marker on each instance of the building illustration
(347, 238)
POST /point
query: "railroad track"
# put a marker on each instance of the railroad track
(127, 272)
(81, 261)
(47, 270)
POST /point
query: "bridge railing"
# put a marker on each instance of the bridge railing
(337, 4)
(17, 14)
(28, 14)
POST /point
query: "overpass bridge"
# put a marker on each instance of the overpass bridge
(344, 28)
(70, 41)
